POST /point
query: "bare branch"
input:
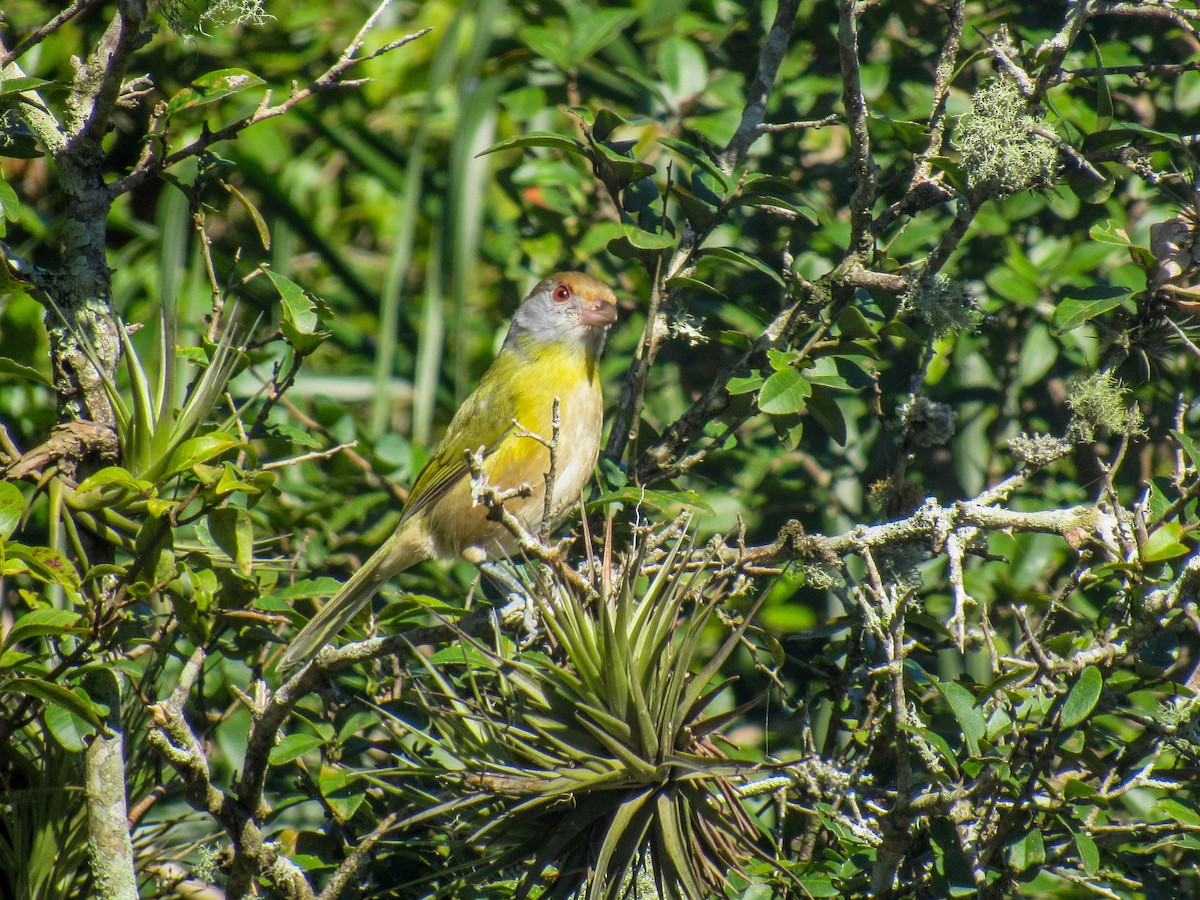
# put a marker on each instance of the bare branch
(44, 31)
(358, 858)
(316, 454)
(769, 59)
(1139, 70)
(768, 128)
(150, 166)
(947, 61)
(862, 167)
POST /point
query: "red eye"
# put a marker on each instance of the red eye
(562, 293)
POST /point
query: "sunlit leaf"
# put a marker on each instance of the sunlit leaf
(784, 392)
(212, 87)
(1081, 699)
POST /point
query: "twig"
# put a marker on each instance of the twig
(485, 494)
(1184, 18)
(769, 128)
(1067, 150)
(150, 166)
(360, 462)
(947, 60)
(40, 34)
(551, 475)
(1140, 69)
(861, 165)
(1001, 51)
(958, 620)
(623, 429)
(316, 454)
(1052, 52)
(354, 862)
(769, 60)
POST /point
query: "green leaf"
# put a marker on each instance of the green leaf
(1082, 697)
(293, 746)
(19, 370)
(970, 717)
(58, 622)
(594, 31)
(758, 190)
(113, 477)
(341, 791)
(202, 449)
(695, 284)
(10, 206)
(782, 360)
(913, 136)
(607, 121)
(743, 259)
(818, 885)
(70, 730)
(1027, 852)
(1089, 853)
(1104, 102)
(853, 324)
(42, 563)
(56, 694)
(233, 531)
(1080, 305)
(1177, 812)
(1164, 543)
(549, 44)
(213, 87)
(1087, 187)
(648, 240)
(824, 408)
(11, 86)
(744, 384)
(260, 224)
(784, 393)
(302, 314)
(20, 143)
(953, 170)
(698, 156)
(683, 67)
(539, 139)
(12, 507)
(614, 166)
(1189, 446)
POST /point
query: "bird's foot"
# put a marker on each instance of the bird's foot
(517, 598)
(530, 621)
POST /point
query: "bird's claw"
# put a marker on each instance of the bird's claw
(530, 622)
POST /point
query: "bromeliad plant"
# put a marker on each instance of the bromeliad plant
(596, 762)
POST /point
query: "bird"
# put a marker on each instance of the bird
(551, 352)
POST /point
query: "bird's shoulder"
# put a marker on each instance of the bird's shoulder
(481, 423)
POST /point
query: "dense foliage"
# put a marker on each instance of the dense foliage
(887, 582)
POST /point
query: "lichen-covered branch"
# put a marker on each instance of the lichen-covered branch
(253, 855)
(109, 843)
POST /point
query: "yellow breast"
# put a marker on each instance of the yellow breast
(538, 378)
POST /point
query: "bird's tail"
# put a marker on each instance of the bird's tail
(406, 547)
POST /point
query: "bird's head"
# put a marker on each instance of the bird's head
(566, 306)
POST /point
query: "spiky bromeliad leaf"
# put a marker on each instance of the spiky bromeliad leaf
(575, 769)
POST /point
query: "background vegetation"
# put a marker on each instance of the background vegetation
(887, 583)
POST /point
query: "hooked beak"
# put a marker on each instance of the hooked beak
(598, 313)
